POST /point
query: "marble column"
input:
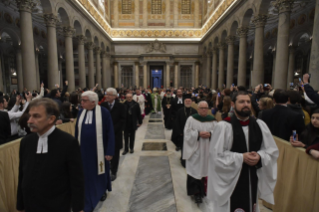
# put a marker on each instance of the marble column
(69, 60)
(214, 72)
(37, 69)
(145, 75)
(273, 67)
(167, 75)
(91, 74)
(97, 52)
(230, 60)
(208, 68)
(176, 77)
(116, 13)
(116, 75)
(27, 43)
(104, 84)
(167, 13)
(137, 74)
(53, 77)
(145, 13)
(196, 74)
(108, 70)
(284, 7)
(175, 13)
(221, 76)
(291, 66)
(19, 70)
(196, 15)
(242, 60)
(1, 77)
(314, 58)
(137, 13)
(259, 21)
(81, 61)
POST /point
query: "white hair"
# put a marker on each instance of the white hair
(199, 103)
(112, 90)
(92, 96)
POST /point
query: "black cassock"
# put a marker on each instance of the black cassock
(178, 127)
(167, 109)
(148, 104)
(51, 181)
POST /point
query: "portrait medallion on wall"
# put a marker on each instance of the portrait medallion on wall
(8, 18)
(43, 34)
(302, 19)
(292, 24)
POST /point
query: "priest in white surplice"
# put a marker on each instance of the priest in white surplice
(197, 139)
(242, 161)
(94, 131)
(140, 99)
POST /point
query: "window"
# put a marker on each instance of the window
(186, 7)
(126, 6)
(127, 76)
(156, 6)
(186, 76)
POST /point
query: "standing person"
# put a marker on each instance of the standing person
(50, 169)
(118, 114)
(179, 124)
(133, 121)
(197, 137)
(156, 101)
(140, 99)
(57, 96)
(148, 102)
(167, 109)
(177, 102)
(94, 130)
(242, 161)
(5, 127)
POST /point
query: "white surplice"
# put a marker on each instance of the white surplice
(141, 101)
(225, 166)
(195, 151)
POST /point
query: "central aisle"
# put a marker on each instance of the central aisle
(151, 181)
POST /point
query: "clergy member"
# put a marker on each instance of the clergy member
(50, 170)
(140, 99)
(197, 136)
(167, 109)
(179, 123)
(242, 161)
(94, 130)
(156, 101)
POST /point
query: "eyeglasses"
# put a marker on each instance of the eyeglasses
(203, 108)
(84, 100)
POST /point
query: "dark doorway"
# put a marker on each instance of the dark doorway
(156, 76)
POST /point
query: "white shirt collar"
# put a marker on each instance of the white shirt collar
(43, 141)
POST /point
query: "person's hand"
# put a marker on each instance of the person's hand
(314, 153)
(302, 87)
(297, 143)
(251, 158)
(96, 85)
(231, 88)
(269, 86)
(18, 99)
(28, 96)
(58, 122)
(108, 157)
(57, 85)
(204, 134)
(42, 85)
(71, 120)
(257, 88)
(305, 78)
(66, 82)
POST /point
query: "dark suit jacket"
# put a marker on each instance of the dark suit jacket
(282, 121)
(118, 114)
(5, 127)
(136, 115)
(52, 181)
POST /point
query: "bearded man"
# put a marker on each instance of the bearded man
(242, 161)
(180, 119)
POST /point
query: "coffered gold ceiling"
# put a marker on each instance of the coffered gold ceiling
(157, 33)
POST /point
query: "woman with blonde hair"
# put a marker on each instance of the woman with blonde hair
(265, 103)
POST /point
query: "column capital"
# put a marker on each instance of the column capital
(50, 20)
(68, 31)
(284, 5)
(221, 45)
(215, 49)
(176, 63)
(115, 63)
(242, 32)
(292, 48)
(260, 20)
(137, 63)
(26, 5)
(230, 39)
(90, 45)
(97, 50)
(81, 39)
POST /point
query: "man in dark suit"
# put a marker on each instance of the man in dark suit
(133, 121)
(5, 126)
(118, 114)
(50, 170)
(281, 120)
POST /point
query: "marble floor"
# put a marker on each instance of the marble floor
(126, 190)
